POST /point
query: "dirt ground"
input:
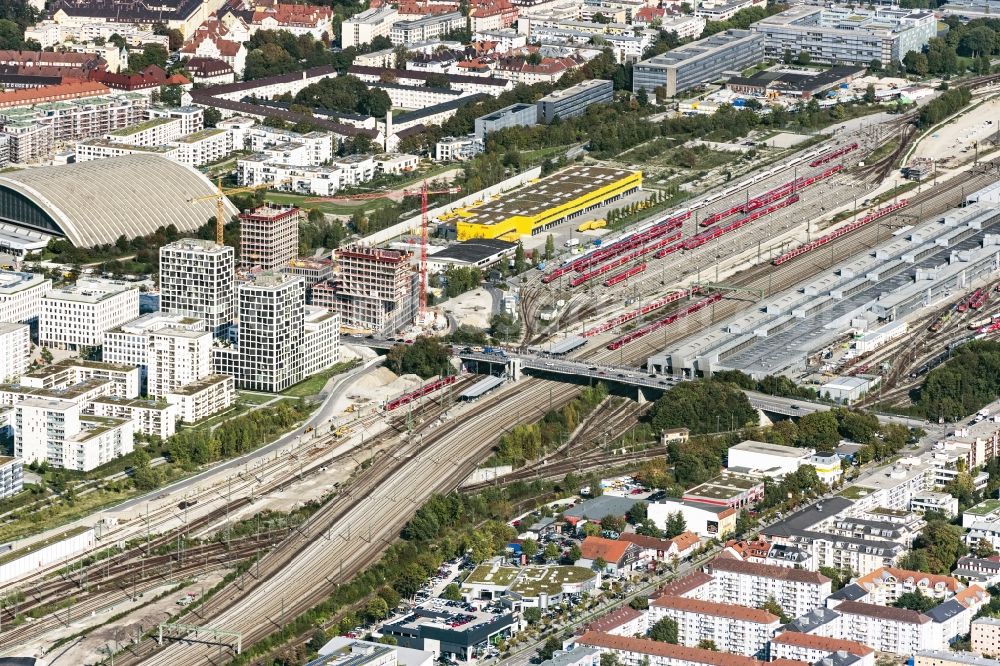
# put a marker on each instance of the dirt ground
(946, 144)
(786, 140)
(472, 308)
(93, 648)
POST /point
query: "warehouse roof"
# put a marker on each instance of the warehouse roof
(475, 250)
(93, 203)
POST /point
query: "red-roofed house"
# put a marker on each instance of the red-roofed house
(212, 39)
(695, 585)
(812, 647)
(663, 550)
(492, 14)
(151, 77)
(640, 650)
(686, 543)
(647, 16)
(296, 19)
(733, 628)
(626, 621)
(621, 556)
(57, 93)
(751, 551)
(549, 70)
(887, 584)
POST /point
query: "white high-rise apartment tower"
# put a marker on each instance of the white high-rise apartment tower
(197, 280)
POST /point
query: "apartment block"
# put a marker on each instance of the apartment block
(631, 651)
(55, 431)
(362, 28)
(21, 296)
(700, 62)
(950, 658)
(77, 316)
(192, 118)
(812, 648)
(155, 418)
(847, 35)
(426, 28)
(750, 584)
(15, 350)
(169, 350)
(320, 340)
(207, 396)
(740, 630)
(269, 237)
(458, 148)
(985, 636)
(11, 476)
(575, 100)
(202, 147)
(197, 280)
(152, 132)
(122, 380)
(375, 289)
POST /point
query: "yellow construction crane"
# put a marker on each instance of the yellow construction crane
(220, 209)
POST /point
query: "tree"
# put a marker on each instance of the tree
(519, 264)
(613, 523)
(551, 645)
(591, 529)
(703, 406)
(551, 551)
(639, 603)
(426, 356)
(11, 35)
(875, 65)
(787, 57)
(573, 554)
(550, 246)
(642, 97)
(452, 592)
(774, 608)
(804, 57)
(818, 430)
(171, 95)
(985, 549)
(600, 564)
(916, 600)
(504, 327)
(530, 548)
(435, 80)
(151, 54)
(144, 475)
(916, 63)
(610, 659)
(708, 644)
(675, 524)
(533, 615)
(664, 631)
(376, 610)
(870, 97)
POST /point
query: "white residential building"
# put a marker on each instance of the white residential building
(773, 460)
(152, 132)
(192, 118)
(357, 169)
(812, 648)
(11, 476)
(364, 27)
(458, 148)
(21, 296)
(318, 145)
(199, 400)
(156, 418)
(744, 631)
(203, 147)
(750, 584)
(77, 316)
(320, 340)
(425, 28)
(886, 629)
(15, 350)
(54, 431)
(260, 169)
(197, 281)
(630, 651)
(114, 379)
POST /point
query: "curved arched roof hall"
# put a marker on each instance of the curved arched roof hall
(92, 203)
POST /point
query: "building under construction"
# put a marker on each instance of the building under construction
(373, 289)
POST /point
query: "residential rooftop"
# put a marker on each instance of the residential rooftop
(142, 127)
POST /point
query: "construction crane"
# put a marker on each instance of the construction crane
(220, 210)
(423, 193)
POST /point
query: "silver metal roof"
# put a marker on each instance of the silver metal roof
(96, 202)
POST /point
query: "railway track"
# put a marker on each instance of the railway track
(343, 537)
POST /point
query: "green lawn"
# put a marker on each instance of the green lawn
(254, 398)
(314, 384)
(329, 207)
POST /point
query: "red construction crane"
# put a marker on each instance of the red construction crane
(423, 193)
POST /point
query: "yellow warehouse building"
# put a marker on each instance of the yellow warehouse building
(548, 202)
